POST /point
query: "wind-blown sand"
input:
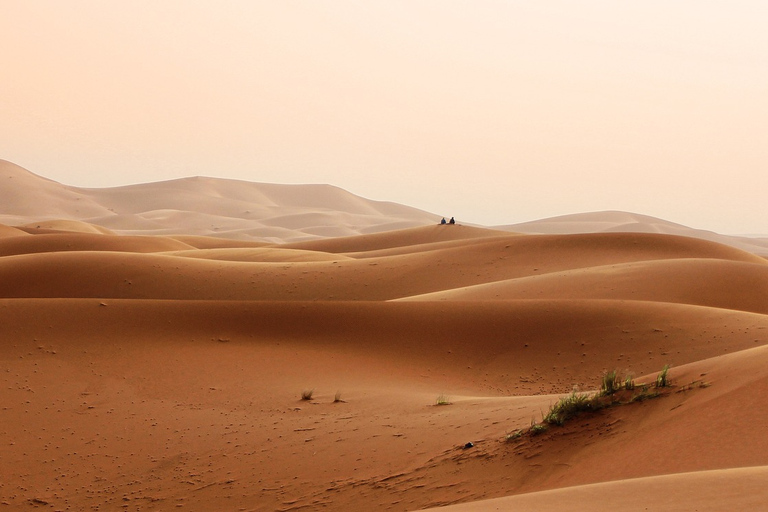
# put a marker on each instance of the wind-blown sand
(164, 372)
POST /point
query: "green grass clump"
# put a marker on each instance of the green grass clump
(537, 429)
(517, 434)
(569, 406)
(442, 400)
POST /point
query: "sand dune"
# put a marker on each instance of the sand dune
(625, 222)
(27, 197)
(270, 213)
(598, 222)
(55, 242)
(202, 206)
(208, 242)
(73, 226)
(704, 282)
(403, 239)
(10, 231)
(144, 273)
(145, 366)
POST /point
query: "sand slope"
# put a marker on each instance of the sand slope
(704, 491)
(196, 403)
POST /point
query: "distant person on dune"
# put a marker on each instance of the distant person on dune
(452, 221)
(442, 221)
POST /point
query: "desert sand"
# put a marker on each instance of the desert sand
(165, 371)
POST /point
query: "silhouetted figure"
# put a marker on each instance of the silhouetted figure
(452, 221)
(442, 221)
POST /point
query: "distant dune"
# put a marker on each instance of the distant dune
(200, 206)
(267, 213)
(613, 222)
(147, 366)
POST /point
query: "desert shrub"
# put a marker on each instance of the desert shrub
(537, 429)
(307, 394)
(629, 383)
(442, 400)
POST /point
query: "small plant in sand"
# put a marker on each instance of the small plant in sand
(662, 381)
(612, 391)
(610, 383)
(511, 436)
(442, 400)
(307, 394)
(644, 394)
(569, 406)
(337, 397)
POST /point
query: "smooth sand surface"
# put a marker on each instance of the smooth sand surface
(703, 491)
(147, 366)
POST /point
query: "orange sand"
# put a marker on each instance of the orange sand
(165, 372)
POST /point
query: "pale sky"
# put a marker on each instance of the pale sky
(495, 112)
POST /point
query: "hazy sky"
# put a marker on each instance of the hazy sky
(495, 112)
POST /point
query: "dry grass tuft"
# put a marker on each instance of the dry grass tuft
(662, 381)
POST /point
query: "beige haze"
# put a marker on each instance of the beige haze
(495, 112)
